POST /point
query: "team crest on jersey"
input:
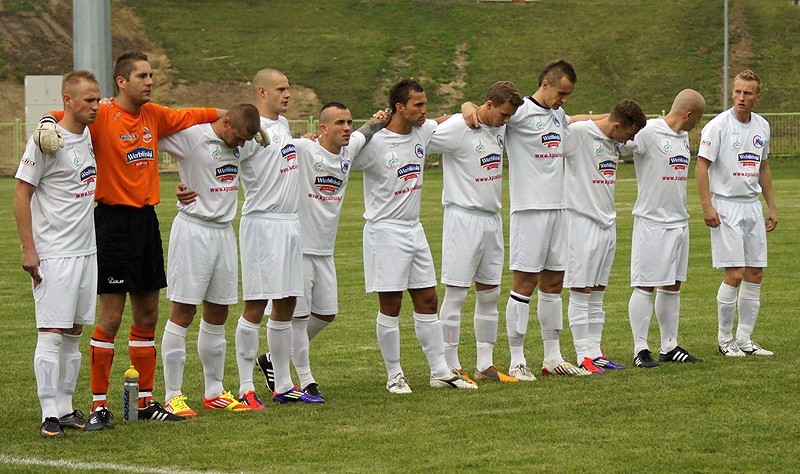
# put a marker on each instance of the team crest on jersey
(91, 150)
(76, 159)
(551, 140)
(686, 145)
(666, 145)
(478, 145)
(226, 173)
(749, 159)
(288, 152)
(419, 151)
(556, 122)
(607, 167)
(736, 144)
(758, 142)
(491, 162)
(140, 156)
(599, 152)
(328, 184)
(276, 137)
(216, 153)
(319, 162)
(409, 171)
(539, 125)
(500, 141)
(679, 162)
(88, 175)
(128, 137)
(345, 166)
(147, 137)
(236, 152)
(392, 159)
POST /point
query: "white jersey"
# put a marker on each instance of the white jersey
(534, 140)
(591, 172)
(472, 163)
(269, 175)
(661, 157)
(736, 151)
(393, 165)
(207, 165)
(323, 180)
(62, 206)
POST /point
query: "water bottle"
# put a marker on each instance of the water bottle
(131, 397)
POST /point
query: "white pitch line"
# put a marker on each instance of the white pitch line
(93, 466)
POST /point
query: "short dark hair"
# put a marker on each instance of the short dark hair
(628, 113)
(244, 116)
(502, 92)
(123, 66)
(555, 70)
(334, 105)
(401, 92)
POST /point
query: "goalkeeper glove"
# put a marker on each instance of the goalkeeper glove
(261, 137)
(47, 137)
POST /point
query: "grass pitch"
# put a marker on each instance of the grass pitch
(720, 415)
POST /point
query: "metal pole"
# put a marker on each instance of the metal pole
(91, 44)
(725, 65)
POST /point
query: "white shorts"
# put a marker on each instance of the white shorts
(202, 263)
(272, 256)
(591, 252)
(320, 295)
(538, 240)
(67, 294)
(741, 238)
(397, 257)
(472, 247)
(659, 255)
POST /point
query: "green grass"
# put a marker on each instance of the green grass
(724, 414)
(345, 49)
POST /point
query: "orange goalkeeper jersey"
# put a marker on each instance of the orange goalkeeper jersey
(126, 149)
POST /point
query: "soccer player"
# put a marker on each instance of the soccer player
(534, 141)
(269, 239)
(202, 263)
(732, 165)
(130, 255)
(591, 154)
(324, 172)
(53, 204)
(397, 256)
(660, 245)
(472, 238)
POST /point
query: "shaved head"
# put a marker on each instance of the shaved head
(688, 100)
(266, 77)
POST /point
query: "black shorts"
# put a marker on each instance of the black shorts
(130, 256)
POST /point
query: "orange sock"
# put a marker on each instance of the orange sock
(101, 356)
(142, 350)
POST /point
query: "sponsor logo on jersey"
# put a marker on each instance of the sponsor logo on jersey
(147, 137)
(88, 175)
(419, 151)
(705, 143)
(758, 142)
(140, 156)
(345, 166)
(128, 137)
(28, 162)
(491, 162)
(226, 172)
(679, 162)
(500, 142)
(607, 167)
(551, 140)
(556, 122)
(328, 184)
(749, 159)
(288, 152)
(409, 171)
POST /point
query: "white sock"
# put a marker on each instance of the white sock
(640, 312)
(517, 314)
(597, 319)
(173, 358)
(749, 303)
(211, 347)
(69, 364)
(246, 342)
(300, 349)
(429, 334)
(485, 322)
(668, 309)
(454, 297)
(578, 315)
(315, 325)
(726, 308)
(551, 321)
(279, 340)
(387, 329)
(45, 367)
